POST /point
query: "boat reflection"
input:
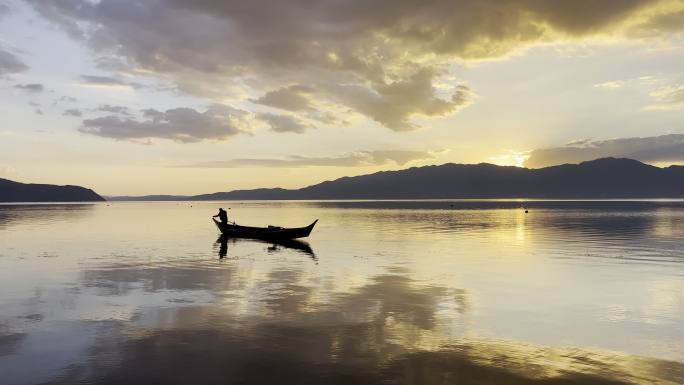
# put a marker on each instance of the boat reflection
(275, 245)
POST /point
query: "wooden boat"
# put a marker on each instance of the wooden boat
(268, 233)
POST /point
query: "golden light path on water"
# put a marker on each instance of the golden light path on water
(423, 292)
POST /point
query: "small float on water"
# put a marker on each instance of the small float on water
(267, 233)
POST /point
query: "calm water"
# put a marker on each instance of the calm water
(385, 292)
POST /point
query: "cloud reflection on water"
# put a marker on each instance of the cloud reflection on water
(417, 295)
(386, 331)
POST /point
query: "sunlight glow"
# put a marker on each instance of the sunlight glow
(511, 158)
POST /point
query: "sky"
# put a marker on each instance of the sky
(186, 97)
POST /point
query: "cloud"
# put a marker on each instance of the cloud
(284, 123)
(621, 83)
(226, 49)
(299, 100)
(73, 112)
(668, 98)
(4, 10)
(64, 99)
(107, 81)
(351, 35)
(32, 87)
(354, 159)
(122, 110)
(664, 148)
(656, 25)
(394, 104)
(291, 98)
(613, 84)
(186, 125)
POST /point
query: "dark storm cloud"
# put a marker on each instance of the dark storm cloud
(73, 112)
(32, 87)
(356, 54)
(664, 148)
(359, 158)
(218, 122)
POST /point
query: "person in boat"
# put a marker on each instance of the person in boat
(222, 215)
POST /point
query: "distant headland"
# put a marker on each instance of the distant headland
(603, 178)
(11, 191)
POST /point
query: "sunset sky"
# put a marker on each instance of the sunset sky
(184, 97)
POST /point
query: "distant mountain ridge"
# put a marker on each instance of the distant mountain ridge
(601, 178)
(11, 191)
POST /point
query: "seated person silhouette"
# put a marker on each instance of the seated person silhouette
(222, 215)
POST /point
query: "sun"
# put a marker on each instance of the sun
(510, 158)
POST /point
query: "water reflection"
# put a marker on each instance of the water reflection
(293, 244)
(42, 214)
(276, 245)
(499, 204)
(386, 331)
(404, 292)
(223, 246)
(9, 342)
(320, 355)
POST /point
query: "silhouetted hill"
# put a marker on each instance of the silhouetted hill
(11, 191)
(601, 178)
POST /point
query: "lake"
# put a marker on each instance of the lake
(382, 292)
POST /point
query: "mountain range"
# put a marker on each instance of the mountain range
(597, 179)
(600, 178)
(11, 191)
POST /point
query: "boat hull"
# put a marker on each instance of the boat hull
(237, 231)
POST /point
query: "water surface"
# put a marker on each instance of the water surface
(424, 292)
